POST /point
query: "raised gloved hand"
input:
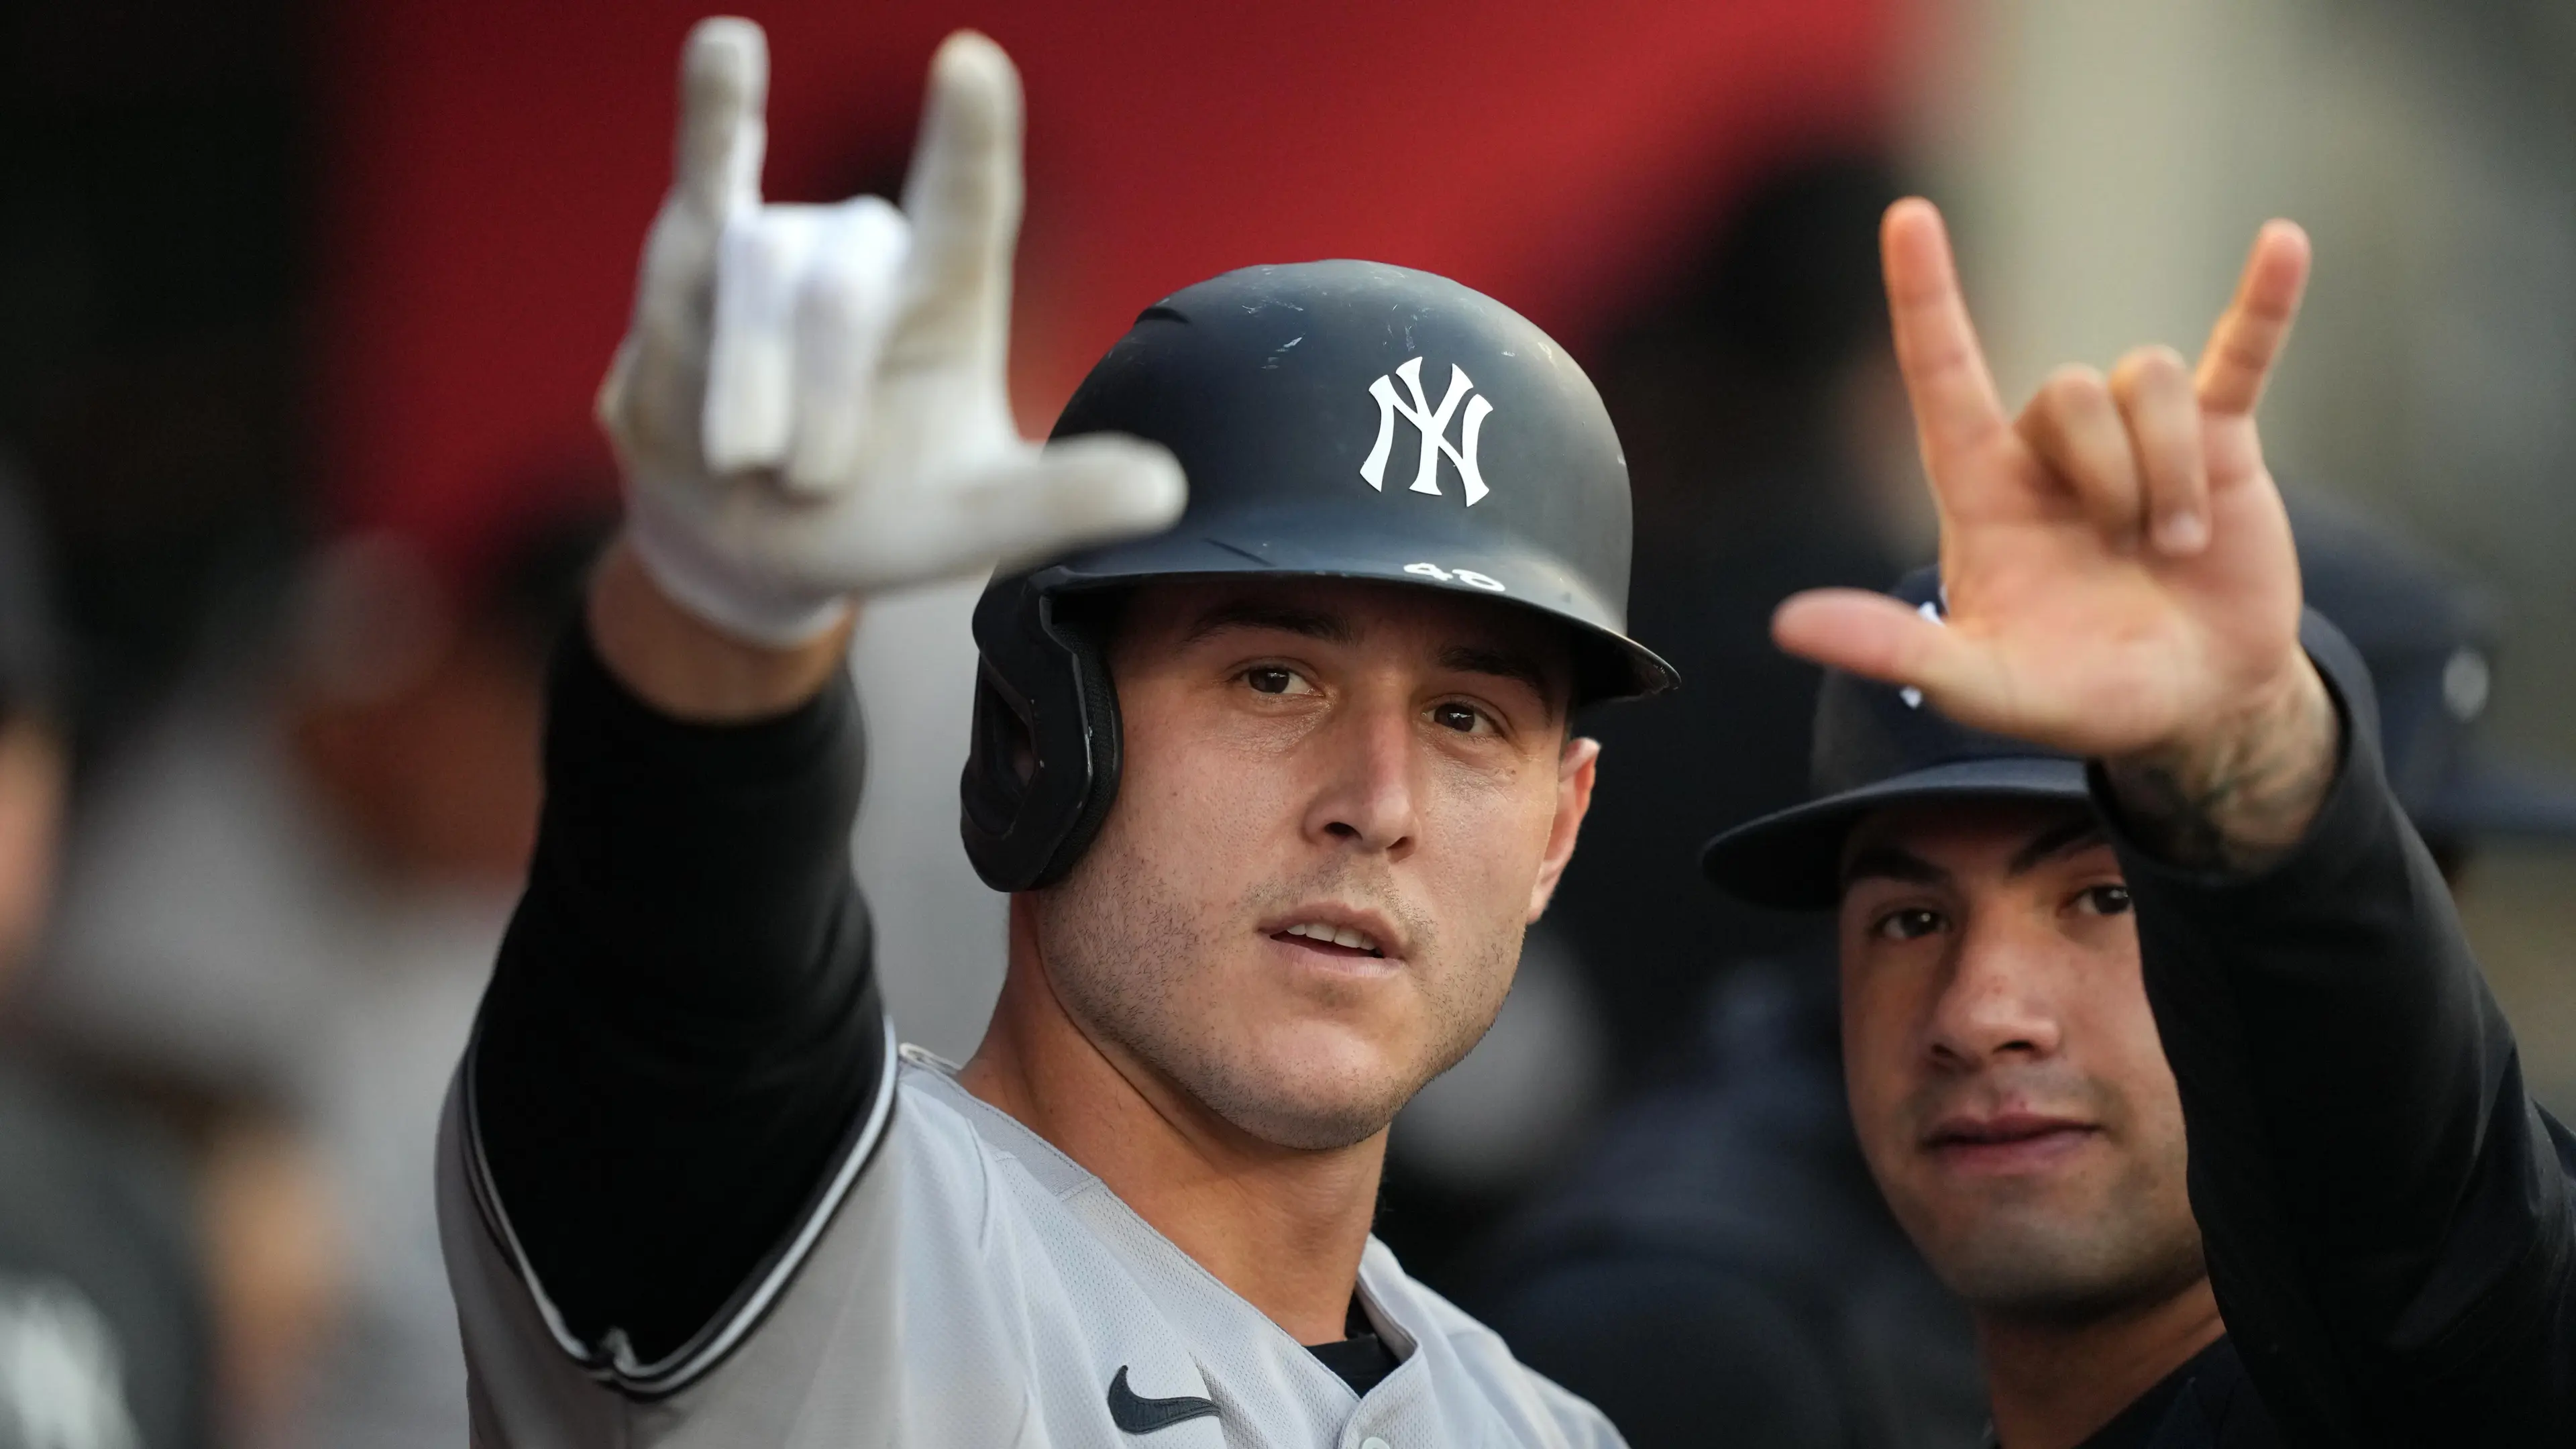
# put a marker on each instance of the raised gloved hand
(810, 402)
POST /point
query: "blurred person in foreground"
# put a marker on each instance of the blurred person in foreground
(1729, 1216)
(102, 1315)
(277, 917)
(2369, 1239)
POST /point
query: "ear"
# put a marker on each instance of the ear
(1574, 773)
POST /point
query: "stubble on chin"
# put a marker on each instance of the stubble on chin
(2060, 1249)
(2038, 1267)
(1138, 966)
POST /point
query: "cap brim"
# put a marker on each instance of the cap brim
(2495, 798)
(1792, 860)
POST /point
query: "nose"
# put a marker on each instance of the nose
(1998, 999)
(1369, 794)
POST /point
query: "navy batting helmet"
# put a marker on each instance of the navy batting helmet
(1338, 419)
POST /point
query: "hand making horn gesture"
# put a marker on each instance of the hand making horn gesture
(2118, 570)
(810, 402)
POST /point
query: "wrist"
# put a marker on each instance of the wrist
(678, 662)
(764, 612)
(2238, 791)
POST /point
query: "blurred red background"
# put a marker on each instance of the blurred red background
(487, 171)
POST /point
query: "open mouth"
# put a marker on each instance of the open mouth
(1331, 940)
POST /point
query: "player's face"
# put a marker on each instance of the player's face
(1340, 805)
(2011, 1094)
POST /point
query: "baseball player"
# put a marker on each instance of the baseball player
(1275, 784)
(1731, 1217)
(2377, 1237)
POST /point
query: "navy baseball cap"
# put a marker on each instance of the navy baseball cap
(2425, 634)
(1877, 745)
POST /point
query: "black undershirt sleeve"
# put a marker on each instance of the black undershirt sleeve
(2387, 1214)
(683, 1027)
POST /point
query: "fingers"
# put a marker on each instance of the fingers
(2249, 335)
(2176, 436)
(1083, 490)
(651, 401)
(762, 261)
(2076, 429)
(724, 84)
(1955, 408)
(1871, 635)
(804, 296)
(848, 303)
(963, 199)
(2154, 391)
(2130, 448)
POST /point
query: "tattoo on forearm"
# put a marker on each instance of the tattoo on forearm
(2239, 802)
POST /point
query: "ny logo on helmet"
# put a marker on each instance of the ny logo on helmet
(1434, 427)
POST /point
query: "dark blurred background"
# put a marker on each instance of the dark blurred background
(157, 267)
(301, 308)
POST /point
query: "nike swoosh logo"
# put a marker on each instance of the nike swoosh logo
(1135, 1415)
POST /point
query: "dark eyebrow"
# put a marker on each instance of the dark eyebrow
(1886, 862)
(1503, 664)
(1257, 614)
(2065, 839)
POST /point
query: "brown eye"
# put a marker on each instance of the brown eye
(2106, 900)
(1910, 924)
(1276, 679)
(1459, 717)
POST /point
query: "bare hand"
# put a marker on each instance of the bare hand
(2118, 571)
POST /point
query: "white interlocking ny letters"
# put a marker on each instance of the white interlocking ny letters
(1434, 427)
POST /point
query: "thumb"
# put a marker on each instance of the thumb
(1082, 491)
(1873, 636)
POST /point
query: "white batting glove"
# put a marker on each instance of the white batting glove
(810, 404)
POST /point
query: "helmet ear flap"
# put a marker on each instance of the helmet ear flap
(1001, 755)
(1042, 762)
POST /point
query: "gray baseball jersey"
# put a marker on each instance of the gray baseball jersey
(973, 1286)
(692, 1195)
